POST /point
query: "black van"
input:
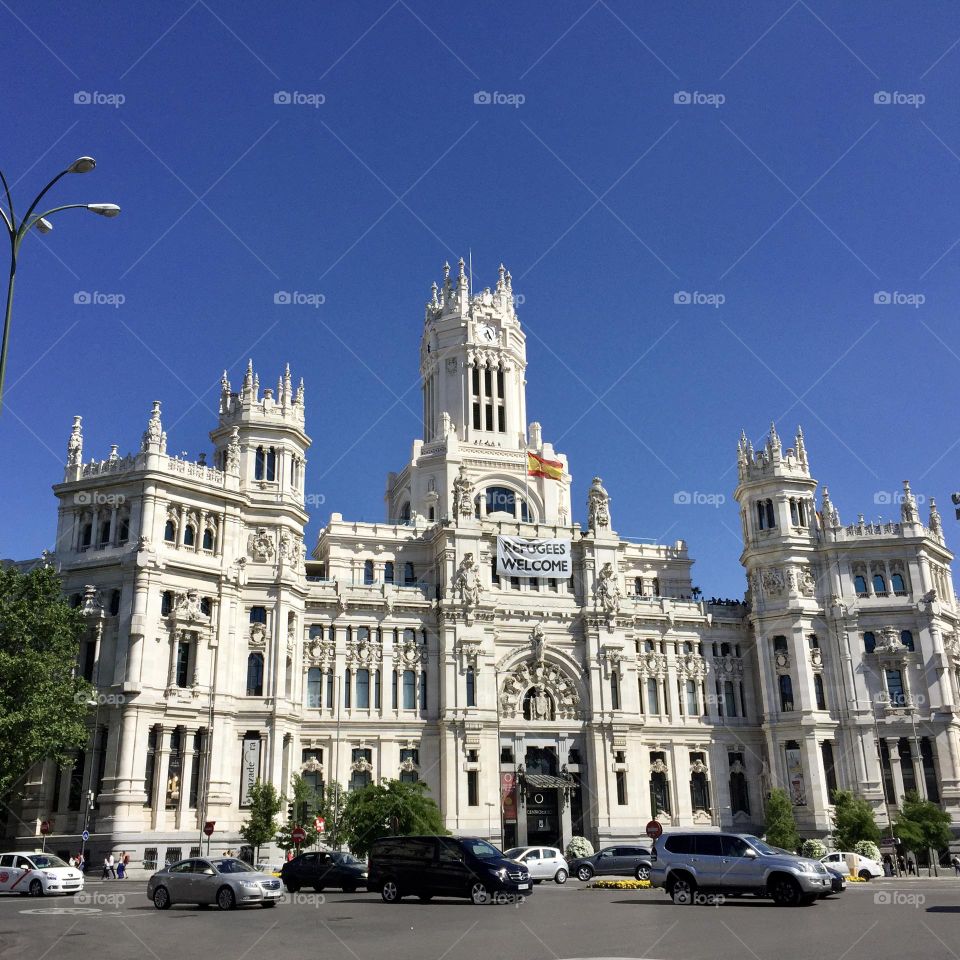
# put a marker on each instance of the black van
(428, 867)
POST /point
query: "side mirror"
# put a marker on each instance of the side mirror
(209, 872)
(750, 853)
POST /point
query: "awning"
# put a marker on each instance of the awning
(544, 781)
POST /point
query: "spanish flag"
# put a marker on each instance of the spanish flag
(538, 467)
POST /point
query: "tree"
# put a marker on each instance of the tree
(579, 847)
(304, 802)
(868, 849)
(388, 808)
(261, 827)
(922, 825)
(43, 703)
(332, 807)
(853, 820)
(781, 828)
(813, 848)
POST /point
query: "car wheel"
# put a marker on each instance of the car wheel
(561, 876)
(161, 898)
(809, 899)
(479, 894)
(390, 891)
(225, 899)
(865, 875)
(642, 872)
(292, 887)
(785, 892)
(585, 872)
(36, 888)
(682, 891)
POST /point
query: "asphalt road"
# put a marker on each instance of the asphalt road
(882, 920)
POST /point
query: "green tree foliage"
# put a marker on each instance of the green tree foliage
(261, 826)
(306, 805)
(781, 827)
(853, 820)
(389, 808)
(43, 706)
(813, 848)
(868, 849)
(922, 825)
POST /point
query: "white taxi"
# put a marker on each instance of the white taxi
(37, 874)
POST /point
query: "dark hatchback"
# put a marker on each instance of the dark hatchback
(323, 869)
(428, 867)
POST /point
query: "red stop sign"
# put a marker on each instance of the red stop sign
(654, 829)
(298, 834)
(45, 827)
(208, 827)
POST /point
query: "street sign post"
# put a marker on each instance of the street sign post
(320, 825)
(298, 835)
(44, 830)
(208, 827)
(654, 830)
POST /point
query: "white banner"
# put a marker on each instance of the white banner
(539, 559)
(249, 769)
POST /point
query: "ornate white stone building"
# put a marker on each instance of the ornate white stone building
(533, 709)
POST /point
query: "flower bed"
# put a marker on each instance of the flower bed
(621, 884)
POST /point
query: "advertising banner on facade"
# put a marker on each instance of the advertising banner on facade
(249, 769)
(540, 559)
(508, 796)
(798, 790)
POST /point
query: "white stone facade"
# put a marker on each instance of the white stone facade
(221, 651)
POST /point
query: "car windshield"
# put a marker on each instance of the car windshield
(483, 850)
(514, 852)
(765, 848)
(41, 860)
(345, 858)
(232, 866)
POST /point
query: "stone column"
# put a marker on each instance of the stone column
(893, 750)
(186, 779)
(680, 780)
(718, 775)
(113, 526)
(159, 811)
(127, 753)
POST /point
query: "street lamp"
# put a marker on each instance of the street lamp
(17, 231)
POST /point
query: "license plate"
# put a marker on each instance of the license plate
(523, 886)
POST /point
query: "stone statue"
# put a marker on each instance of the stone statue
(540, 705)
(154, 432)
(75, 444)
(231, 459)
(173, 789)
(608, 591)
(537, 642)
(260, 545)
(462, 494)
(598, 505)
(467, 582)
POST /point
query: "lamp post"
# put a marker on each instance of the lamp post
(17, 231)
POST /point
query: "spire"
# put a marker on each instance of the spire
(935, 523)
(501, 278)
(287, 386)
(75, 444)
(247, 389)
(801, 447)
(908, 506)
(153, 435)
(773, 444)
(830, 516)
(434, 299)
(299, 397)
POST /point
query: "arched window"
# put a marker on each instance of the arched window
(408, 575)
(780, 644)
(693, 701)
(124, 533)
(255, 675)
(906, 638)
(879, 584)
(368, 571)
(208, 539)
(258, 614)
(471, 687)
(259, 464)
(189, 536)
(388, 572)
(699, 789)
(271, 464)
(766, 519)
(656, 586)
(895, 689)
(393, 690)
(729, 698)
(347, 688)
(104, 533)
(653, 696)
(376, 689)
(166, 602)
(739, 795)
(869, 642)
(170, 532)
(786, 693)
(363, 689)
(860, 585)
(314, 687)
(206, 606)
(114, 603)
(897, 584)
(537, 705)
(659, 787)
(409, 690)
(638, 586)
(771, 518)
(614, 690)
(423, 689)
(405, 512)
(818, 691)
(504, 500)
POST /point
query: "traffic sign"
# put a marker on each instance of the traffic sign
(298, 835)
(320, 825)
(45, 827)
(654, 829)
(208, 827)
(85, 836)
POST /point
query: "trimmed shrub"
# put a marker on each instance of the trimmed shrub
(813, 848)
(579, 847)
(868, 849)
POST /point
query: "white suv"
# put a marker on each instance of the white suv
(853, 864)
(37, 874)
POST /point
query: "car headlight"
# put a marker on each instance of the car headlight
(51, 876)
(364, 874)
(501, 873)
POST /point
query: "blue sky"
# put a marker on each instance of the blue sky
(781, 193)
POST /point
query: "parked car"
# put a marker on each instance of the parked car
(544, 863)
(320, 869)
(37, 874)
(838, 882)
(428, 867)
(225, 881)
(688, 865)
(864, 867)
(626, 860)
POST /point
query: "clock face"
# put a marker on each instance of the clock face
(487, 334)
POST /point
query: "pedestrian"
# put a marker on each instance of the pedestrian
(126, 862)
(112, 864)
(902, 864)
(73, 860)
(106, 869)
(121, 867)
(887, 865)
(912, 865)
(81, 863)
(956, 865)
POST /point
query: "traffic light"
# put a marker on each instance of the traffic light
(291, 811)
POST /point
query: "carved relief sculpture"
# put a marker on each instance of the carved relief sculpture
(598, 506)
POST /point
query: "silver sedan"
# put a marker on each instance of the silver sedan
(225, 881)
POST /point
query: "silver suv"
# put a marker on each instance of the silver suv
(694, 867)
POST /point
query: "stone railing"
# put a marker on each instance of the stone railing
(97, 468)
(197, 471)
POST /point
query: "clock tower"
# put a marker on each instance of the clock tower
(473, 359)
